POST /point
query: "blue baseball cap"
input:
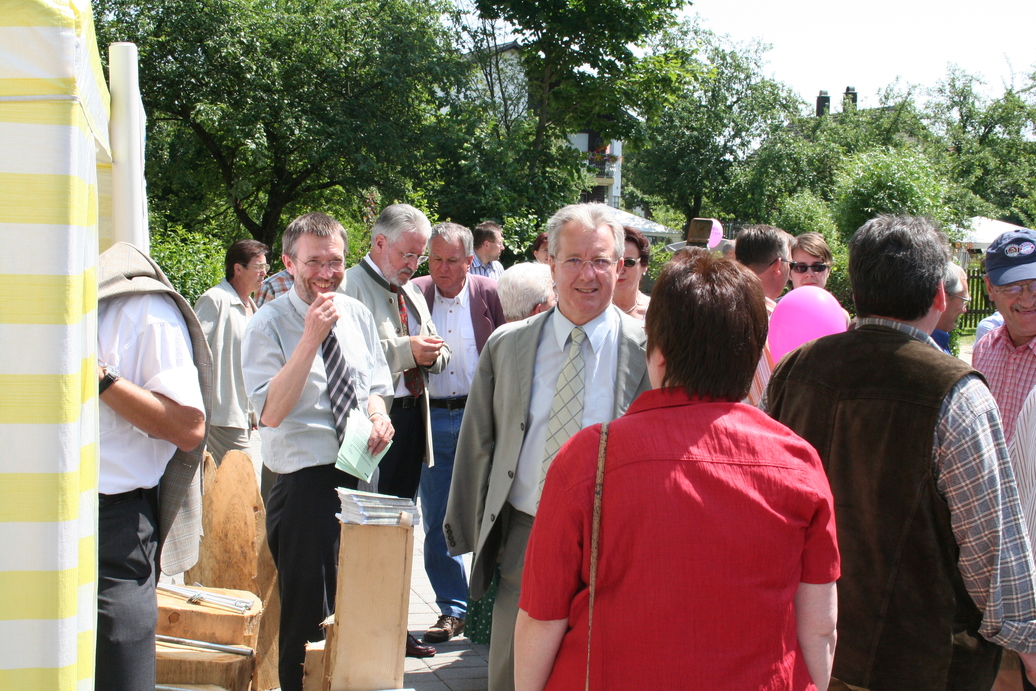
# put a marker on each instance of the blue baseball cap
(1012, 257)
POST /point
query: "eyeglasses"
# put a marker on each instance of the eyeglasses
(1015, 289)
(257, 267)
(630, 262)
(313, 265)
(410, 256)
(779, 258)
(802, 267)
(575, 265)
(963, 299)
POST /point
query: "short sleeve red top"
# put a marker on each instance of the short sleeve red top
(712, 515)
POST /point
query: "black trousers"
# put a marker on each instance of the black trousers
(400, 469)
(304, 534)
(127, 609)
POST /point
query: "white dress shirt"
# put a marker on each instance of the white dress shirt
(601, 360)
(452, 318)
(307, 436)
(146, 338)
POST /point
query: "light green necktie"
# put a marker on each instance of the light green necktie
(566, 411)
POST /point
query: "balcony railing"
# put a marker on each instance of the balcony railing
(603, 164)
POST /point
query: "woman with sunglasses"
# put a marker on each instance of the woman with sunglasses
(810, 261)
(627, 296)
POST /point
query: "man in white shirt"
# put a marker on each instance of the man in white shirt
(224, 311)
(465, 310)
(310, 358)
(507, 438)
(154, 376)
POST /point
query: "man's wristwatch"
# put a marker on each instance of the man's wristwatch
(111, 375)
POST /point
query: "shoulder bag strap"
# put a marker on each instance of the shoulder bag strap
(595, 533)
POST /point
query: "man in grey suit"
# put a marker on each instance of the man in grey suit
(466, 311)
(538, 381)
(381, 281)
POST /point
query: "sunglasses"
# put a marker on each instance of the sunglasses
(801, 267)
(630, 262)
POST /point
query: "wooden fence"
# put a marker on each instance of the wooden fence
(980, 306)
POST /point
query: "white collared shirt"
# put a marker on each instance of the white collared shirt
(452, 318)
(307, 436)
(601, 360)
(146, 338)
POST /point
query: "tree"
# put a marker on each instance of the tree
(261, 107)
(988, 146)
(807, 154)
(887, 182)
(581, 68)
(689, 152)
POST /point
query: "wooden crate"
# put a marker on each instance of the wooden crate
(374, 582)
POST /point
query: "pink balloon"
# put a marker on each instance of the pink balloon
(716, 234)
(802, 315)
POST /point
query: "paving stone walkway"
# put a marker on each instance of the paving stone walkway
(459, 665)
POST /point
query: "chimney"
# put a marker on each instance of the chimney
(823, 104)
(849, 98)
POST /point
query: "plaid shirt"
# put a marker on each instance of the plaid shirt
(973, 474)
(274, 286)
(1010, 371)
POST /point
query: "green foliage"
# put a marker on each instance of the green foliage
(660, 256)
(688, 153)
(805, 212)
(989, 150)
(193, 261)
(256, 107)
(806, 155)
(580, 63)
(519, 232)
(886, 182)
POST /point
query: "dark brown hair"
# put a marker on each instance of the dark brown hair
(637, 238)
(708, 320)
(242, 252)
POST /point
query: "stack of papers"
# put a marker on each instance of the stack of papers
(367, 508)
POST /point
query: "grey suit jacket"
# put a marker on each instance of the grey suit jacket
(365, 285)
(486, 312)
(125, 270)
(493, 430)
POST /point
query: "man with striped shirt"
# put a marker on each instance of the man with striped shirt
(1007, 355)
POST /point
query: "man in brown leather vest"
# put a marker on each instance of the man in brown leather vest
(937, 573)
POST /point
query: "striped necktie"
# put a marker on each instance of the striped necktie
(339, 383)
(566, 411)
(412, 376)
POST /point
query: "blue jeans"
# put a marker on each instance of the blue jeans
(445, 573)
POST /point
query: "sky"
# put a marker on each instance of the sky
(832, 44)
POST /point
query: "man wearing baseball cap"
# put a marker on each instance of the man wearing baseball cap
(1007, 355)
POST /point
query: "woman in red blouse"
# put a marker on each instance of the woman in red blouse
(717, 556)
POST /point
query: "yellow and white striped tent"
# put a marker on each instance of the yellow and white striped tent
(55, 172)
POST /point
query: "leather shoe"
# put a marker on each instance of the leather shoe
(416, 649)
(446, 628)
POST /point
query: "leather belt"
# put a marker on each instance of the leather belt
(404, 403)
(105, 500)
(449, 403)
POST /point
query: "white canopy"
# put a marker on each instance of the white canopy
(985, 230)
